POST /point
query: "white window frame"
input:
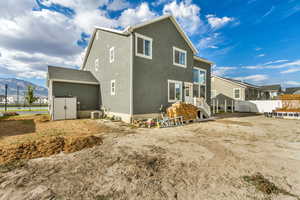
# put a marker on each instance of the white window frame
(185, 56)
(111, 54)
(113, 88)
(174, 100)
(240, 93)
(137, 35)
(96, 64)
(201, 84)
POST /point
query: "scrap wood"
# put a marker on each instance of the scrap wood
(187, 111)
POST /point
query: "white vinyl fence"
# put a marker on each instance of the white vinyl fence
(257, 106)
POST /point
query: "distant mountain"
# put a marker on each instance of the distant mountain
(13, 83)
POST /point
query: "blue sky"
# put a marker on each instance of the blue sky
(253, 40)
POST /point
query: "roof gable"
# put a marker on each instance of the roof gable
(237, 82)
(176, 24)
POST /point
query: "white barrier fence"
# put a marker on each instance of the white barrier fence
(257, 106)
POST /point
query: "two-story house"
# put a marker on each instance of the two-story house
(132, 73)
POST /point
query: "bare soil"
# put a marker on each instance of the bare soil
(249, 157)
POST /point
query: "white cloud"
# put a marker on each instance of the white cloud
(133, 16)
(118, 5)
(258, 49)
(292, 83)
(261, 55)
(211, 41)
(222, 71)
(269, 12)
(159, 2)
(291, 70)
(257, 78)
(275, 62)
(187, 14)
(278, 66)
(216, 22)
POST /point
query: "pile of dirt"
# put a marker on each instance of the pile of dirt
(187, 111)
(47, 147)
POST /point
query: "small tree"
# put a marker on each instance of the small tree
(30, 98)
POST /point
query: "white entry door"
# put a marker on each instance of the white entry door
(188, 92)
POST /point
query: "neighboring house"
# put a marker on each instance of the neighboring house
(230, 89)
(269, 92)
(9, 99)
(292, 90)
(132, 73)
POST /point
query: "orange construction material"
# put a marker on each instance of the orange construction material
(290, 103)
(187, 111)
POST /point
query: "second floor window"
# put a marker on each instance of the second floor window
(237, 93)
(179, 57)
(143, 46)
(112, 54)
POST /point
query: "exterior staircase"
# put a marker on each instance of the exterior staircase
(203, 106)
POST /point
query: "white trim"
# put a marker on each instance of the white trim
(137, 35)
(97, 35)
(204, 70)
(111, 54)
(131, 76)
(185, 56)
(203, 60)
(73, 81)
(240, 93)
(180, 99)
(122, 32)
(96, 64)
(178, 27)
(113, 89)
(213, 92)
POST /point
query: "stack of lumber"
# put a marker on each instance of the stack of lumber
(187, 111)
(290, 103)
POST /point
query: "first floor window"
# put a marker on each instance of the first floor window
(143, 46)
(199, 90)
(175, 91)
(237, 93)
(113, 87)
(179, 57)
(96, 64)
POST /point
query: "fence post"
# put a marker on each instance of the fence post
(214, 106)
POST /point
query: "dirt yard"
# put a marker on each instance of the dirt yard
(249, 157)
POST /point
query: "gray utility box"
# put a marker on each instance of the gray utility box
(64, 108)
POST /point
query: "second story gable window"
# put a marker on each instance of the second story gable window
(112, 54)
(143, 46)
(179, 57)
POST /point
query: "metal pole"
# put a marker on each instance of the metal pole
(5, 102)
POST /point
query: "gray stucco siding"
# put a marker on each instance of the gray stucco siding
(150, 76)
(86, 94)
(207, 67)
(118, 70)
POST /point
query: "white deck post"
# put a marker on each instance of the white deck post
(225, 105)
(217, 106)
(214, 106)
(232, 104)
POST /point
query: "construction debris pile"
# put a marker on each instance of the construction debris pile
(290, 103)
(181, 109)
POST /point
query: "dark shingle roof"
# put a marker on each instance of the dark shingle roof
(271, 87)
(68, 74)
(292, 90)
(240, 82)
